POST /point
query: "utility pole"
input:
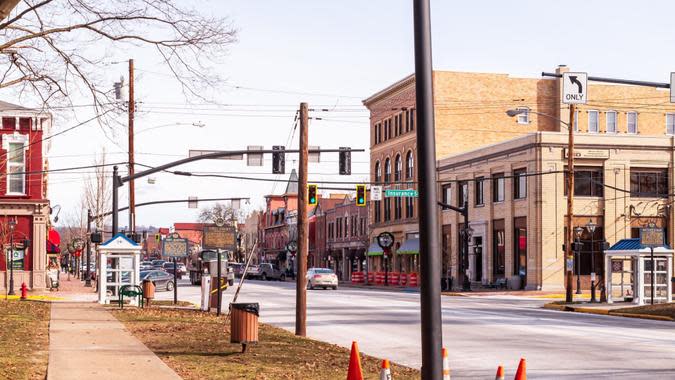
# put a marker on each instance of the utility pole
(569, 275)
(300, 289)
(132, 188)
(87, 276)
(430, 257)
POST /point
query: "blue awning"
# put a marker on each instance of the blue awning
(375, 250)
(409, 247)
(630, 245)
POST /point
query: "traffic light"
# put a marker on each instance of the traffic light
(312, 197)
(345, 161)
(360, 195)
(279, 159)
(158, 237)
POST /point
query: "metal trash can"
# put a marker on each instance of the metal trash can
(244, 323)
(148, 290)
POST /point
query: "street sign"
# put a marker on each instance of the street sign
(175, 247)
(672, 83)
(193, 202)
(219, 238)
(254, 159)
(575, 89)
(401, 193)
(651, 237)
(376, 193)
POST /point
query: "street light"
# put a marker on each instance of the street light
(578, 231)
(385, 240)
(467, 233)
(12, 226)
(197, 124)
(590, 226)
(570, 193)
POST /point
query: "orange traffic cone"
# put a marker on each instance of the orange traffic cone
(446, 364)
(385, 372)
(354, 372)
(500, 373)
(521, 374)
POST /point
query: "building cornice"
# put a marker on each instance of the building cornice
(397, 86)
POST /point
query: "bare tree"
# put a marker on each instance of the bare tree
(97, 195)
(54, 49)
(217, 211)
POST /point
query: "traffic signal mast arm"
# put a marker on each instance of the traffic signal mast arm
(461, 210)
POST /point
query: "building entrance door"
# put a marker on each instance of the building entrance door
(478, 258)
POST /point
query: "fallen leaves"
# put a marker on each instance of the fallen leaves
(24, 339)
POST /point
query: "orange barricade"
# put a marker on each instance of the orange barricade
(371, 277)
(357, 277)
(413, 280)
(394, 278)
(379, 278)
(404, 277)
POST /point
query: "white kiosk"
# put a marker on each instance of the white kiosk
(119, 265)
(628, 269)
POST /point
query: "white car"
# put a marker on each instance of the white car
(321, 278)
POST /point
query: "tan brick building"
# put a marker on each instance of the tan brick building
(470, 114)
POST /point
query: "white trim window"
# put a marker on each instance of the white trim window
(670, 123)
(15, 146)
(610, 121)
(592, 121)
(631, 122)
(523, 118)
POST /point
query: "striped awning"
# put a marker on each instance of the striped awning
(409, 247)
(375, 250)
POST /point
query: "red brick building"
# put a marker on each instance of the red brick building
(277, 224)
(318, 231)
(23, 195)
(346, 238)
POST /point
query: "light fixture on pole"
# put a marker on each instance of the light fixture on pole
(12, 226)
(385, 240)
(577, 248)
(590, 226)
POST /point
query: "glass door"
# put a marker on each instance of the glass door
(660, 280)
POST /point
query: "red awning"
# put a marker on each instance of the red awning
(53, 241)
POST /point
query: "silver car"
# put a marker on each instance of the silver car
(321, 278)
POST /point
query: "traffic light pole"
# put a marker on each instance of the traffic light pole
(300, 288)
(430, 258)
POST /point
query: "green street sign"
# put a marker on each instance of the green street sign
(401, 193)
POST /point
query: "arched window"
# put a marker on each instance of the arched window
(409, 165)
(398, 168)
(387, 170)
(378, 172)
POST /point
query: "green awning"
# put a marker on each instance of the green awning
(409, 247)
(375, 250)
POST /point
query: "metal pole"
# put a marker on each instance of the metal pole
(175, 283)
(386, 266)
(651, 254)
(593, 299)
(11, 262)
(218, 294)
(87, 275)
(303, 232)
(578, 256)
(132, 188)
(115, 202)
(430, 258)
(569, 275)
(466, 284)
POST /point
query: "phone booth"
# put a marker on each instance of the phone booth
(119, 265)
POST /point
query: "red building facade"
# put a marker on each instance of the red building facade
(23, 195)
(346, 238)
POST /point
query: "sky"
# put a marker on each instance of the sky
(334, 54)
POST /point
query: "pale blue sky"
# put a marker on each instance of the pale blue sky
(349, 49)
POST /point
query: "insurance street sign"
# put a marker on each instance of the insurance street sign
(401, 193)
(174, 247)
(575, 89)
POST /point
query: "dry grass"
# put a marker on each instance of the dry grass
(24, 339)
(665, 309)
(196, 345)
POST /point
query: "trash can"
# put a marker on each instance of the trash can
(244, 323)
(148, 290)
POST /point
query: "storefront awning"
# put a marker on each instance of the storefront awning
(53, 241)
(409, 247)
(375, 250)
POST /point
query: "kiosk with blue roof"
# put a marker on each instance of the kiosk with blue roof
(628, 268)
(119, 261)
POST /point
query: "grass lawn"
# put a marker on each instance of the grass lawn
(24, 339)
(197, 346)
(665, 309)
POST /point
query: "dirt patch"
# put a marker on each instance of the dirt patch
(663, 310)
(197, 346)
(24, 339)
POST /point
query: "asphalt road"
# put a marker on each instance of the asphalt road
(479, 332)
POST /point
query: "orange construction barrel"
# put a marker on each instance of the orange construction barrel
(148, 290)
(244, 323)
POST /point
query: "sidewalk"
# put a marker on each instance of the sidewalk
(86, 341)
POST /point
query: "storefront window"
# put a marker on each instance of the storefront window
(520, 248)
(498, 248)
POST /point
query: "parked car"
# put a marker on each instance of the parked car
(168, 267)
(157, 264)
(161, 279)
(237, 268)
(321, 277)
(146, 265)
(269, 271)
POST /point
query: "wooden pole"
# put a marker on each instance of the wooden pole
(569, 275)
(303, 242)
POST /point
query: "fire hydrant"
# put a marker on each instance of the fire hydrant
(24, 291)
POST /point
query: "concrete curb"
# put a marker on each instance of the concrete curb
(589, 310)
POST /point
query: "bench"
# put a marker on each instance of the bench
(500, 283)
(131, 291)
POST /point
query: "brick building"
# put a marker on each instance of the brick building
(346, 238)
(276, 223)
(23, 194)
(318, 230)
